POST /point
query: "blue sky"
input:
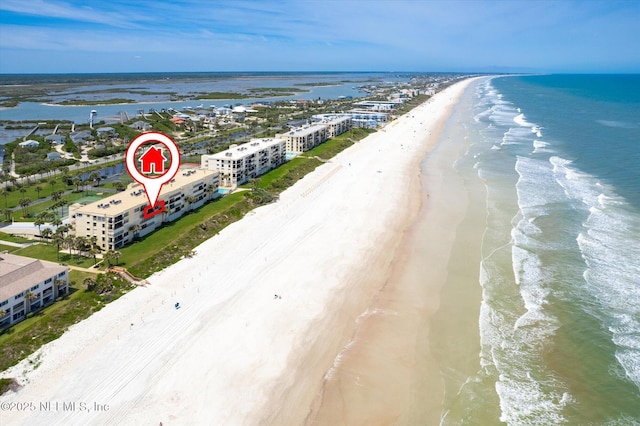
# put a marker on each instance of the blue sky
(50, 36)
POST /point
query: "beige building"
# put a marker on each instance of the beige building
(304, 138)
(240, 163)
(336, 125)
(118, 219)
(27, 285)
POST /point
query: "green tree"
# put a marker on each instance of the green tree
(5, 193)
(95, 178)
(70, 242)
(59, 284)
(25, 203)
(111, 256)
(38, 189)
(89, 283)
(190, 199)
(58, 240)
(135, 230)
(46, 233)
(29, 297)
(52, 182)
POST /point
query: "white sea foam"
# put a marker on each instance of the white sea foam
(619, 124)
(520, 120)
(610, 249)
(540, 146)
(513, 338)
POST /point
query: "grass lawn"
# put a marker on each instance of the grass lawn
(162, 238)
(14, 196)
(9, 249)
(48, 252)
(71, 198)
(48, 324)
(12, 238)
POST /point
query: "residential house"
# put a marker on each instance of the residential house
(53, 156)
(143, 126)
(29, 144)
(55, 139)
(81, 137)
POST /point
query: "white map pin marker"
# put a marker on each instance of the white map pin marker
(152, 186)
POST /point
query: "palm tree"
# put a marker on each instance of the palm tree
(95, 178)
(108, 257)
(190, 199)
(57, 284)
(210, 190)
(52, 182)
(46, 233)
(58, 240)
(29, 297)
(56, 221)
(111, 255)
(39, 222)
(3, 313)
(24, 203)
(7, 213)
(93, 251)
(57, 195)
(61, 204)
(81, 245)
(38, 189)
(5, 192)
(69, 242)
(165, 213)
(135, 229)
(77, 182)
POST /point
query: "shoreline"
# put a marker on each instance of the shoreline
(389, 372)
(232, 346)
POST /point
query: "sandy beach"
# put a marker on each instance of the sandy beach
(272, 309)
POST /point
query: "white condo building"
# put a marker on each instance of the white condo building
(240, 163)
(27, 285)
(304, 138)
(336, 124)
(118, 219)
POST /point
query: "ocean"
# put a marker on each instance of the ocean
(559, 317)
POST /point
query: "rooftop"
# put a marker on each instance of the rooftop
(303, 131)
(245, 149)
(134, 195)
(19, 273)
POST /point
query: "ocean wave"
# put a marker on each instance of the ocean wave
(609, 247)
(618, 124)
(540, 146)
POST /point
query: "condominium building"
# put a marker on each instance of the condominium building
(358, 118)
(240, 163)
(27, 285)
(304, 138)
(118, 219)
(336, 124)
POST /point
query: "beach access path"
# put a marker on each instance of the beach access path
(266, 306)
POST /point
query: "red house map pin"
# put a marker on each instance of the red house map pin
(152, 162)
